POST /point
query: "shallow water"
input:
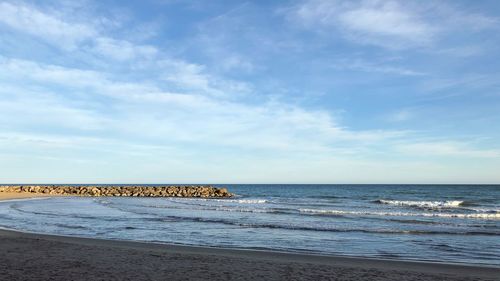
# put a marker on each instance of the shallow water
(453, 223)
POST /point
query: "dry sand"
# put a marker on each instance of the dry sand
(26, 256)
(21, 195)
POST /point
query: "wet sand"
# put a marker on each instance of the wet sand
(26, 256)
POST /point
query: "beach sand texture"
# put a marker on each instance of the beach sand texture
(26, 256)
(22, 195)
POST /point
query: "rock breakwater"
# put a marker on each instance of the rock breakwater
(124, 190)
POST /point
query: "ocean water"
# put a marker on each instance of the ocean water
(450, 223)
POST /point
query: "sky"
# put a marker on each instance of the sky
(305, 91)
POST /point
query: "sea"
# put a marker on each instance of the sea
(442, 223)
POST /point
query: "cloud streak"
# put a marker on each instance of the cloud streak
(178, 116)
(383, 23)
(51, 29)
(388, 24)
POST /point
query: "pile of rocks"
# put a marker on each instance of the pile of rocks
(127, 190)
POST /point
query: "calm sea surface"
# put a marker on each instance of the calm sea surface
(453, 223)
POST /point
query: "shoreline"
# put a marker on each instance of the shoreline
(265, 251)
(28, 244)
(101, 253)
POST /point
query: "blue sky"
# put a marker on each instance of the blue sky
(250, 92)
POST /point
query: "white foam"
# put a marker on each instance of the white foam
(424, 204)
(241, 201)
(482, 210)
(492, 216)
(244, 210)
(250, 201)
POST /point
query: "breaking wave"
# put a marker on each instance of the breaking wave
(240, 201)
(489, 216)
(423, 204)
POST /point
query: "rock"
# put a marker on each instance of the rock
(136, 191)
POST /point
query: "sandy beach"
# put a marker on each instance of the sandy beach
(22, 195)
(27, 256)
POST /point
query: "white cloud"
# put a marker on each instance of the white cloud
(384, 23)
(123, 50)
(84, 36)
(47, 140)
(193, 77)
(235, 62)
(45, 26)
(477, 82)
(401, 115)
(16, 68)
(145, 109)
(391, 24)
(375, 67)
(39, 108)
(218, 45)
(447, 149)
(465, 20)
(379, 22)
(463, 51)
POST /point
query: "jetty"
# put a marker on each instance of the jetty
(122, 190)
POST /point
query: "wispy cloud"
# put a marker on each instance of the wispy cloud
(479, 83)
(123, 50)
(51, 29)
(448, 149)
(380, 22)
(463, 51)
(384, 23)
(389, 24)
(401, 115)
(215, 121)
(193, 77)
(375, 67)
(68, 35)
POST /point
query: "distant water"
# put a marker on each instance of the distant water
(452, 223)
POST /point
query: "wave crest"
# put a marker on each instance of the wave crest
(489, 216)
(423, 204)
(240, 201)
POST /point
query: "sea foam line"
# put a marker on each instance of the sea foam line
(492, 216)
(241, 201)
(423, 204)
